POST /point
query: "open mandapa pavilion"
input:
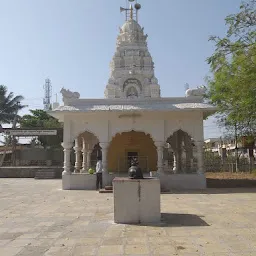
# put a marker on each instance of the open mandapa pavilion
(165, 134)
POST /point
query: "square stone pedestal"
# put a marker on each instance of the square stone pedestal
(136, 201)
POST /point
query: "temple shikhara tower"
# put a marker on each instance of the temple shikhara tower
(132, 67)
(165, 134)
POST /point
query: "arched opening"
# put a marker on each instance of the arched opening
(126, 145)
(179, 155)
(86, 149)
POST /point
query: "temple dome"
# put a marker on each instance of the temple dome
(130, 26)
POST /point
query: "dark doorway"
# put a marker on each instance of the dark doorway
(130, 156)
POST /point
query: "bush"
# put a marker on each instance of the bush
(91, 171)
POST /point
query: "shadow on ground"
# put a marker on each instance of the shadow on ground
(182, 220)
(177, 220)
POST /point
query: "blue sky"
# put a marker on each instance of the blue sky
(72, 42)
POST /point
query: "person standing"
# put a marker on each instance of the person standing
(99, 168)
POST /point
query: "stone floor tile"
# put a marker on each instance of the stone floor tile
(242, 254)
(45, 224)
(113, 241)
(164, 250)
(138, 249)
(134, 234)
(50, 235)
(4, 242)
(241, 246)
(10, 236)
(88, 241)
(32, 251)
(20, 242)
(59, 251)
(3, 230)
(41, 242)
(83, 250)
(110, 250)
(114, 233)
(157, 240)
(29, 235)
(65, 242)
(136, 240)
(20, 230)
(218, 222)
(10, 251)
(157, 232)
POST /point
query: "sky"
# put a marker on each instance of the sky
(73, 41)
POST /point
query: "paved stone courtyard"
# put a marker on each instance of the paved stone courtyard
(38, 218)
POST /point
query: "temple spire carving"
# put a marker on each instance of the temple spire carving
(132, 68)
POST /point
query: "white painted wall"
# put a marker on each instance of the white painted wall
(158, 124)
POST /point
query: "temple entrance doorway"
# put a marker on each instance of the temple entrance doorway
(126, 145)
(130, 156)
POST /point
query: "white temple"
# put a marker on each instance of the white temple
(165, 134)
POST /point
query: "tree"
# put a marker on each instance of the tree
(39, 119)
(8, 139)
(9, 105)
(232, 86)
(241, 34)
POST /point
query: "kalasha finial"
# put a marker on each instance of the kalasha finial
(130, 10)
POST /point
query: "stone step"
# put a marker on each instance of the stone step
(104, 191)
(43, 174)
(108, 187)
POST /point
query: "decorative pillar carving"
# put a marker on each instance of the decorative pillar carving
(160, 148)
(84, 163)
(77, 149)
(200, 157)
(104, 150)
(67, 146)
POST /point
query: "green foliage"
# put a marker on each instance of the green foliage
(91, 171)
(39, 119)
(9, 105)
(233, 85)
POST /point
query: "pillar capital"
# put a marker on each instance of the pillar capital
(104, 145)
(159, 144)
(77, 149)
(67, 145)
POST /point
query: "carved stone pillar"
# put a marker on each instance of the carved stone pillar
(67, 146)
(174, 162)
(200, 157)
(78, 163)
(84, 163)
(160, 148)
(89, 153)
(104, 150)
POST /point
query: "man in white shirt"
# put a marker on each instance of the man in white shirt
(99, 168)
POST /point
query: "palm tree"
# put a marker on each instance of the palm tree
(9, 105)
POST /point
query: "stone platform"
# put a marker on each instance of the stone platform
(136, 200)
(168, 181)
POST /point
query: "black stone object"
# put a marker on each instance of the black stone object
(135, 171)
